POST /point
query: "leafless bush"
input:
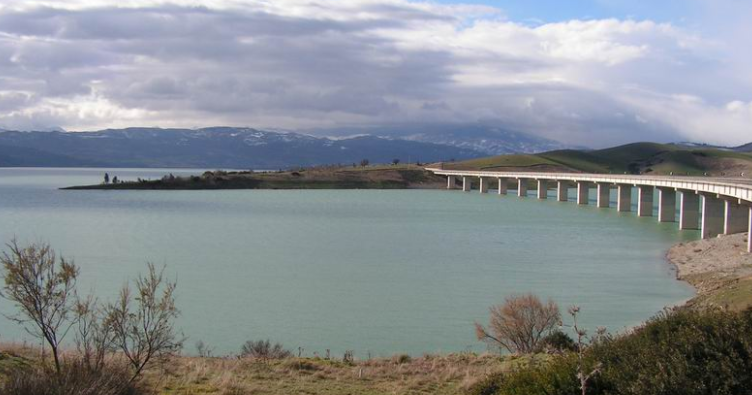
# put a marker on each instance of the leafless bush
(582, 338)
(94, 337)
(264, 350)
(144, 331)
(43, 288)
(520, 323)
(203, 349)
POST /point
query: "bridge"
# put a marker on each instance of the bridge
(713, 205)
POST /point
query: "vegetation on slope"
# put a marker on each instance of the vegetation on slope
(682, 352)
(637, 158)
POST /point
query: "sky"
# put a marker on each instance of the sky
(583, 72)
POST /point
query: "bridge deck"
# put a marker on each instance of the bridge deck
(739, 188)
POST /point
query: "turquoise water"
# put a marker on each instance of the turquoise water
(376, 272)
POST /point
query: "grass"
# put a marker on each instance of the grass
(726, 291)
(449, 374)
(430, 374)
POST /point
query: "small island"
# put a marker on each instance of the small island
(395, 176)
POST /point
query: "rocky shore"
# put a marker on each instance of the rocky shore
(719, 268)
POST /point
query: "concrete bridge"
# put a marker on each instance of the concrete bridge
(713, 205)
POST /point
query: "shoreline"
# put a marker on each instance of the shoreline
(719, 269)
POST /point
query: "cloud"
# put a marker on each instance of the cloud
(299, 63)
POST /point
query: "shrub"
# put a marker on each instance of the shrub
(264, 349)
(74, 379)
(680, 352)
(401, 359)
(556, 341)
(489, 385)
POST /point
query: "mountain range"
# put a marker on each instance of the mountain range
(231, 147)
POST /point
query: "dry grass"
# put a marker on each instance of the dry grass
(447, 374)
(401, 374)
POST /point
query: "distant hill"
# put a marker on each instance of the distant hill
(218, 147)
(483, 138)
(744, 148)
(642, 158)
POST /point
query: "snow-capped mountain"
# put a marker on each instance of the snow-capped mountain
(215, 147)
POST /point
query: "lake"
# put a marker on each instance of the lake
(374, 271)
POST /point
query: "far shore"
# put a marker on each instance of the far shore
(396, 176)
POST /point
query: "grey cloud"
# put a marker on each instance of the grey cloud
(200, 66)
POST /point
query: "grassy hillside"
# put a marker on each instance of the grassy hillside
(645, 158)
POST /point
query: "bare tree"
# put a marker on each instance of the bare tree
(520, 323)
(144, 331)
(42, 286)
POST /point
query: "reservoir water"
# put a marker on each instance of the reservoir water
(376, 272)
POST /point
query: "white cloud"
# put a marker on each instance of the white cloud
(300, 63)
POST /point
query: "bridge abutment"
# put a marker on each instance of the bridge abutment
(689, 210)
(644, 201)
(666, 205)
(712, 216)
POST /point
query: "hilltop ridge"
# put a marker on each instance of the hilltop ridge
(635, 158)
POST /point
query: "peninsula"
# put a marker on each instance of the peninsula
(331, 177)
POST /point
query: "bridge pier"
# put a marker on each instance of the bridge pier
(583, 192)
(522, 187)
(712, 216)
(502, 186)
(542, 189)
(689, 210)
(562, 191)
(714, 206)
(644, 201)
(666, 205)
(483, 184)
(451, 182)
(624, 198)
(466, 183)
(604, 195)
(735, 217)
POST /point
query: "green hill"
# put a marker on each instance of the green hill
(637, 158)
